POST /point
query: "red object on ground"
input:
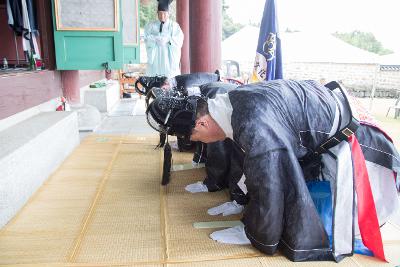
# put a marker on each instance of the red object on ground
(62, 106)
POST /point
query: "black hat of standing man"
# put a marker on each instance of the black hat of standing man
(163, 5)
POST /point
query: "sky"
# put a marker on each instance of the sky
(380, 17)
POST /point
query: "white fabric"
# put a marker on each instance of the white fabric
(242, 185)
(162, 40)
(382, 186)
(9, 14)
(26, 45)
(25, 19)
(227, 208)
(163, 49)
(384, 192)
(221, 109)
(172, 82)
(234, 235)
(195, 90)
(198, 187)
(335, 125)
(344, 200)
(195, 164)
(157, 40)
(25, 16)
(345, 114)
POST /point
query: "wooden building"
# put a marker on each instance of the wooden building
(77, 43)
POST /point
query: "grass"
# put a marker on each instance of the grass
(379, 109)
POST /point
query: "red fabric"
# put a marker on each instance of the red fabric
(367, 218)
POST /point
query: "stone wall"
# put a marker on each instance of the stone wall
(358, 78)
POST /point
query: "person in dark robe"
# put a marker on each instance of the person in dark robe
(223, 159)
(223, 165)
(291, 133)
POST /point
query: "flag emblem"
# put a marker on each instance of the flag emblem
(270, 46)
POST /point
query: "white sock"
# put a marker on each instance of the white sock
(196, 188)
(228, 208)
(233, 235)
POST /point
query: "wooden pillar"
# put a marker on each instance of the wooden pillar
(70, 85)
(205, 35)
(46, 38)
(182, 17)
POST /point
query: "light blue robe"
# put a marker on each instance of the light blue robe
(163, 59)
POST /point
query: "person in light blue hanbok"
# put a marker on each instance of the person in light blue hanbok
(164, 39)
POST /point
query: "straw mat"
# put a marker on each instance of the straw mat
(104, 206)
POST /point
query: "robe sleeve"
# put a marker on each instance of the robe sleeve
(217, 165)
(263, 215)
(267, 125)
(150, 43)
(176, 43)
(280, 208)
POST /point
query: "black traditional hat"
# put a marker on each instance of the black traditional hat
(157, 92)
(173, 115)
(148, 82)
(163, 5)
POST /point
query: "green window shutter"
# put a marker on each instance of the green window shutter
(87, 35)
(130, 31)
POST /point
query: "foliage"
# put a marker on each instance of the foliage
(228, 26)
(363, 40)
(148, 12)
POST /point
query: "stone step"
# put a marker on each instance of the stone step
(29, 152)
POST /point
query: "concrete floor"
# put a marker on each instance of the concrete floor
(127, 117)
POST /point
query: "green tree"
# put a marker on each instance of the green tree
(148, 12)
(363, 40)
(228, 26)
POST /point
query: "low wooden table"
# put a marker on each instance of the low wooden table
(125, 80)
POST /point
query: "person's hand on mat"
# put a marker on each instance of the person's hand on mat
(228, 208)
(196, 188)
(234, 235)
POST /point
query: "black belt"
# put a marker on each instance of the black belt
(341, 134)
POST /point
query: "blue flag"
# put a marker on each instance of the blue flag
(268, 62)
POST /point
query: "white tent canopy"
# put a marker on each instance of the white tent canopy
(296, 47)
(322, 47)
(392, 59)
